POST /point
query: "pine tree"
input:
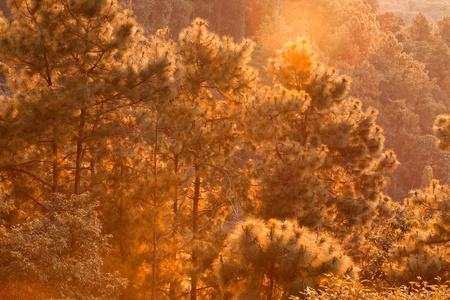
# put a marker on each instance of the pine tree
(441, 130)
(420, 28)
(200, 138)
(79, 71)
(275, 260)
(217, 64)
(424, 250)
(390, 22)
(427, 176)
(444, 28)
(322, 149)
(75, 66)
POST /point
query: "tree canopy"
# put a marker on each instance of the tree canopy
(172, 157)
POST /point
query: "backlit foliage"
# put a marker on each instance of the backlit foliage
(321, 147)
(424, 251)
(163, 155)
(76, 70)
(348, 289)
(441, 129)
(276, 259)
(375, 254)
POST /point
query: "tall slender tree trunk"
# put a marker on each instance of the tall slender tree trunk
(175, 194)
(278, 15)
(244, 20)
(155, 216)
(79, 158)
(55, 167)
(55, 170)
(121, 223)
(271, 281)
(194, 279)
(210, 8)
(173, 283)
(219, 18)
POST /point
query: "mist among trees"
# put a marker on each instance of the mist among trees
(183, 149)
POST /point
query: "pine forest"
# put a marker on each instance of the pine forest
(239, 149)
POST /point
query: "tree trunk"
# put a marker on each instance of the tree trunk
(55, 168)
(80, 152)
(219, 18)
(278, 16)
(121, 223)
(194, 280)
(155, 215)
(155, 259)
(244, 20)
(271, 281)
(175, 196)
(173, 283)
(55, 171)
